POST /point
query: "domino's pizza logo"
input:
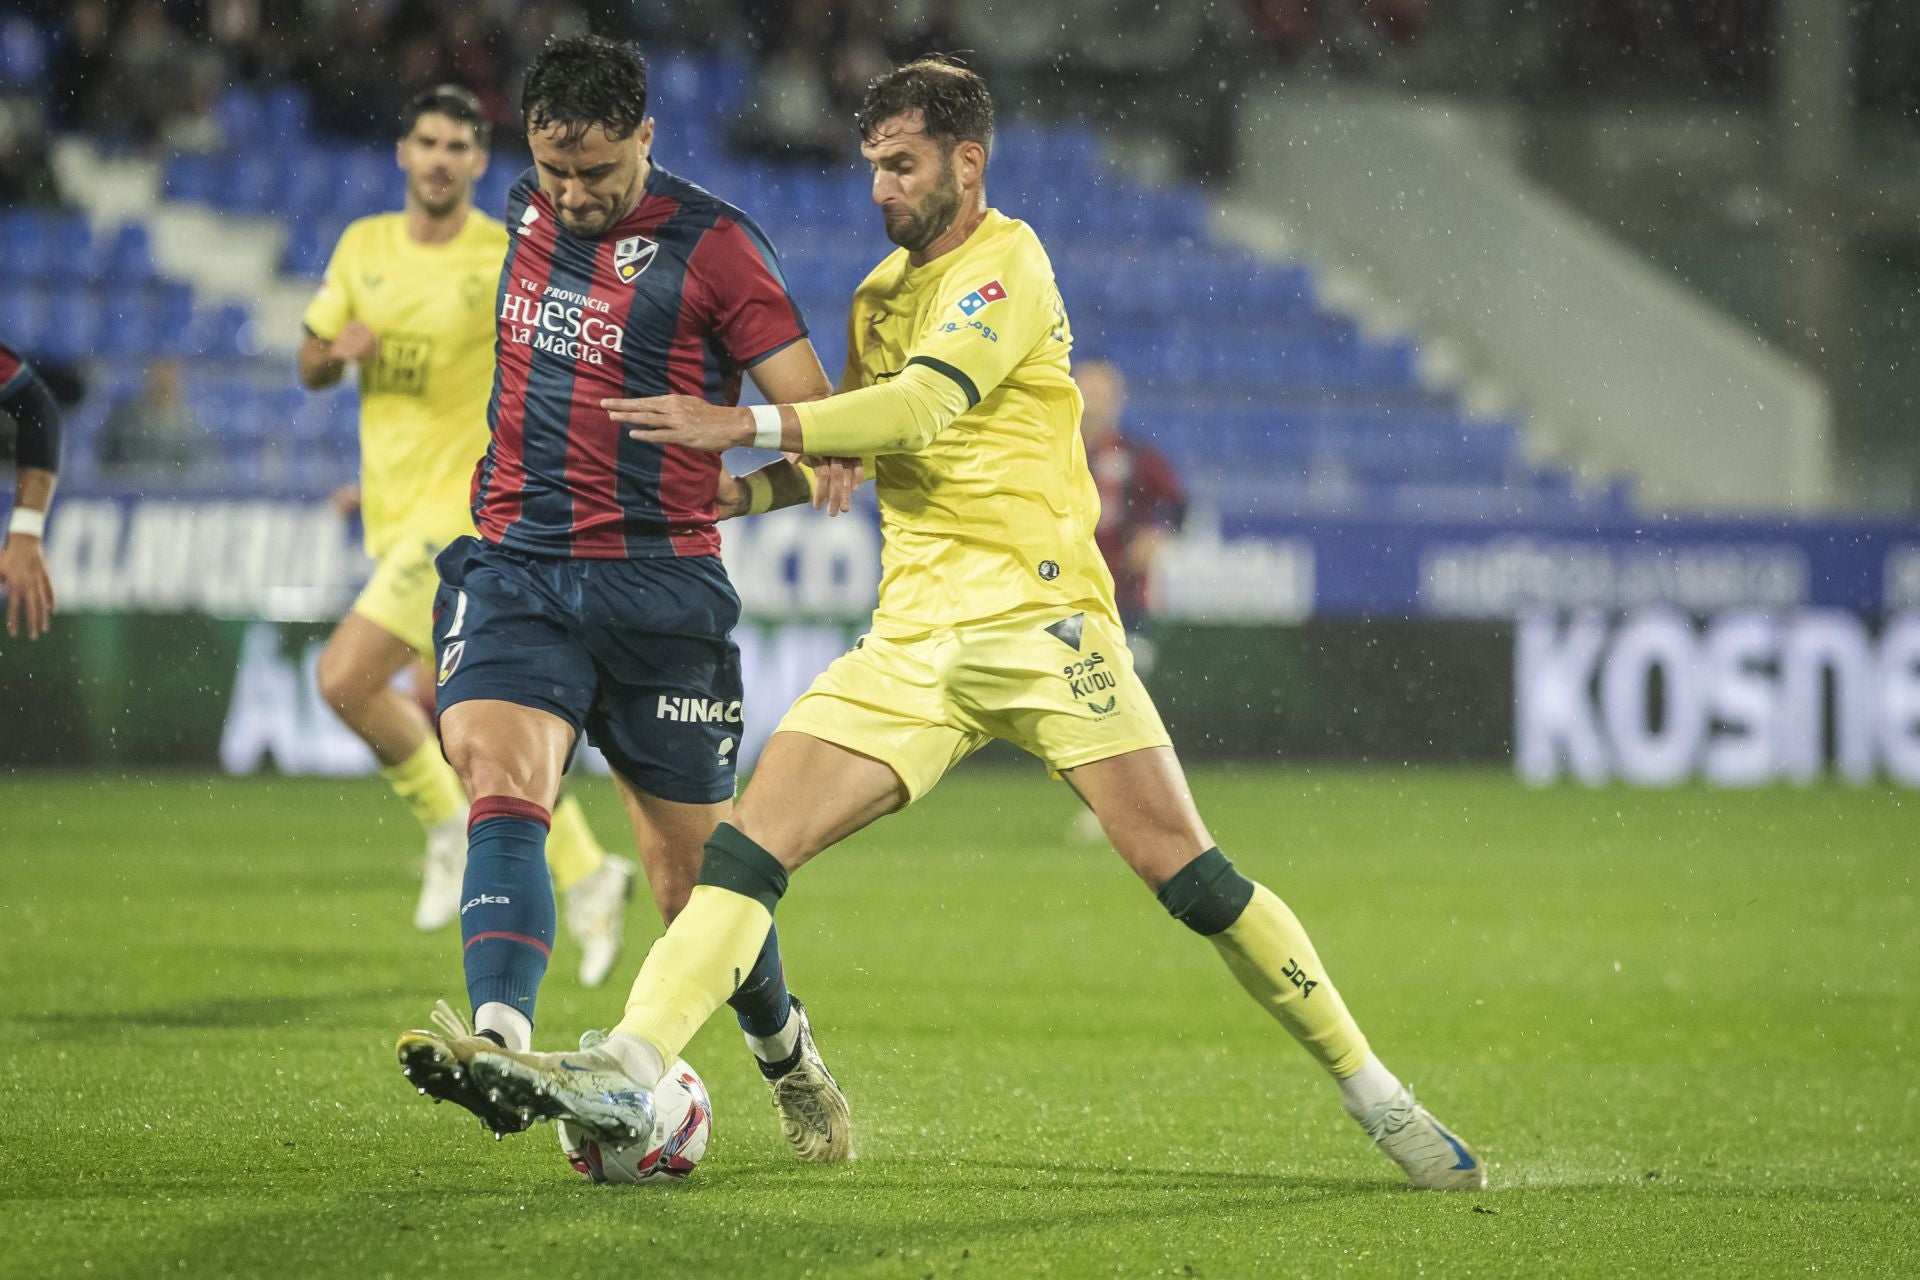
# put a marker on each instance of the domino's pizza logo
(992, 291)
(632, 256)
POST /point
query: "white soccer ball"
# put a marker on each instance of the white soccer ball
(682, 1124)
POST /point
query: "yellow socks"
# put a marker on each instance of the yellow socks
(428, 784)
(1267, 950)
(573, 853)
(712, 945)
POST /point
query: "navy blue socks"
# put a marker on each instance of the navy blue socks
(506, 905)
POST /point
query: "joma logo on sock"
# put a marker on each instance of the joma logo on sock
(484, 900)
(699, 710)
(1298, 977)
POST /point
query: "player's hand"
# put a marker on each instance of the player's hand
(27, 585)
(834, 480)
(687, 421)
(731, 500)
(356, 342)
(345, 500)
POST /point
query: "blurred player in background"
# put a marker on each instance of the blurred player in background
(1141, 506)
(996, 619)
(594, 599)
(408, 298)
(1141, 501)
(24, 579)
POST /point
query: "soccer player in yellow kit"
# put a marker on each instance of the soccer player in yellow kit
(408, 297)
(996, 619)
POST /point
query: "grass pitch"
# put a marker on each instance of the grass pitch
(1680, 1027)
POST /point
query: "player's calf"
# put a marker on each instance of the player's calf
(1265, 947)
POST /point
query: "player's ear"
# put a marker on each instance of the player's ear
(643, 137)
(973, 164)
(400, 153)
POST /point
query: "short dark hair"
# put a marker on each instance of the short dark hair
(582, 81)
(453, 102)
(951, 97)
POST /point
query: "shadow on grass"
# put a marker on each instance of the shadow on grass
(238, 1012)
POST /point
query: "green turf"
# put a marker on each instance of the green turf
(1679, 1026)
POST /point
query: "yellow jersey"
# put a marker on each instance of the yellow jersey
(996, 515)
(423, 397)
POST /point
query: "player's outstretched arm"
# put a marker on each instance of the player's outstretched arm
(903, 415)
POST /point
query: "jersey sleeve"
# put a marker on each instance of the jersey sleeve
(991, 320)
(26, 399)
(13, 372)
(753, 315)
(332, 306)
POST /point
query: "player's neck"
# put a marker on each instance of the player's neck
(953, 237)
(424, 228)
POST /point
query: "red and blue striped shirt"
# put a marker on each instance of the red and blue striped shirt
(679, 298)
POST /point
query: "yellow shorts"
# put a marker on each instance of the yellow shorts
(398, 598)
(1063, 689)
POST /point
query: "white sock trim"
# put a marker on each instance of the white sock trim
(1366, 1088)
(637, 1058)
(779, 1046)
(507, 1022)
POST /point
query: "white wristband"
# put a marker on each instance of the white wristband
(766, 426)
(27, 522)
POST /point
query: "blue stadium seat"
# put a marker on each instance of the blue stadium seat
(71, 322)
(191, 176)
(25, 49)
(22, 317)
(287, 113)
(241, 116)
(129, 259)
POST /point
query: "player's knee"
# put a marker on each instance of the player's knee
(1207, 895)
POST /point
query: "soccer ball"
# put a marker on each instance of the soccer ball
(682, 1124)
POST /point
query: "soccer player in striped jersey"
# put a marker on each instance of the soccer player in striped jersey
(407, 298)
(24, 579)
(594, 599)
(996, 619)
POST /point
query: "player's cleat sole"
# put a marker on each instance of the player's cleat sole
(1433, 1158)
(446, 867)
(814, 1117)
(436, 1064)
(586, 1089)
(597, 917)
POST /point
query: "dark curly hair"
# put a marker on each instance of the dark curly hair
(579, 82)
(453, 102)
(951, 97)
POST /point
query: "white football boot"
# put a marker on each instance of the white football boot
(435, 1063)
(446, 868)
(597, 916)
(813, 1112)
(1433, 1158)
(587, 1088)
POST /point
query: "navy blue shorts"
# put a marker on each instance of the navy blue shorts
(637, 653)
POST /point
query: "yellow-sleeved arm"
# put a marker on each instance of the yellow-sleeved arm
(967, 346)
(332, 307)
(899, 416)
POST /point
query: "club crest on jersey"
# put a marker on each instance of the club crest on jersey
(450, 659)
(632, 256)
(991, 291)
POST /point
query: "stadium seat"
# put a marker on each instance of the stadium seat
(129, 259)
(25, 49)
